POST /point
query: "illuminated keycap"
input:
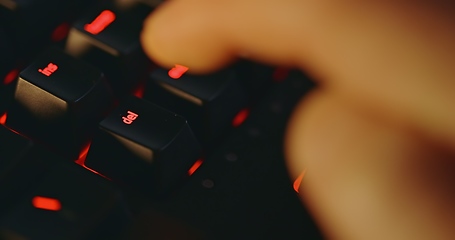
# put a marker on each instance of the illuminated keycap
(32, 24)
(13, 148)
(67, 202)
(208, 102)
(143, 145)
(108, 37)
(8, 73)
(57, 99)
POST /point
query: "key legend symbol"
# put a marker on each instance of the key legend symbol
(177, 71)
(51, 68)
(130, 118)
(103, 20)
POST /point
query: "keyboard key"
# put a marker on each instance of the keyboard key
(208, 102)
(57, 100)
(108, 37)
(7, 73)
(144, 146)
(68, 203)
(12, 148)
(22, 163)
(6, 53)
(36, 19)
(152, 224)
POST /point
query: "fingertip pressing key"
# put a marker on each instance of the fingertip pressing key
(179, 33)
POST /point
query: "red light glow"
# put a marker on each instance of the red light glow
(81, 160)
(139, 90)
(95, 172)
(46, 203)
(83, 154)
(195, 166)
(240, 117)
(3, 119)
(11, 76)
(280, 74)
(298, 181)
(100, 23)
(60, 32)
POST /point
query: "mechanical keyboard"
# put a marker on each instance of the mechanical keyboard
(98, 142)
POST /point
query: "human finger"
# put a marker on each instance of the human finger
(393, 58)
(368, 180)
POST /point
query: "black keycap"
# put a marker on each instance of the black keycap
(108, 36)
(57, 100)
(208, 102)
(12, 148)
(7, 73)
(31, 23)
(22, 162)
(6, 53)
(68, 203)
(144, 146)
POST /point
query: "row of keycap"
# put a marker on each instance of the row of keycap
(80, 93)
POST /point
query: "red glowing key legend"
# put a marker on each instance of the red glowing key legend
(177, 71)
(130, 118)
(47, 71)
(100, 23)
(46, 203)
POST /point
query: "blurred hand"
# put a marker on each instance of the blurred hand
(377, 137)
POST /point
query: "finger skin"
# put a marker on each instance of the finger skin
(395, 59)
(367, 180)
(369, 142)
(206, 35)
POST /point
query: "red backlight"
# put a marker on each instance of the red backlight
(240, 117)
(298, 181)
(60, 32)
(81, 160)
(103, 20)
(280, 74)
(83, 154)
(139, 90)
(11, 76)
(46, 203)
(195, 166)
(3, 119)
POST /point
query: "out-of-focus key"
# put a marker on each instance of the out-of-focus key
(68, 203)
(22, 162)
(57, 100)
(144, 146)
(12, 148)
(6, 54)
(7, 73)
(108, 37)
(31, 23)
(208, 102)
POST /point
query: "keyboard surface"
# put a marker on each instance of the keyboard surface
(98, 142)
